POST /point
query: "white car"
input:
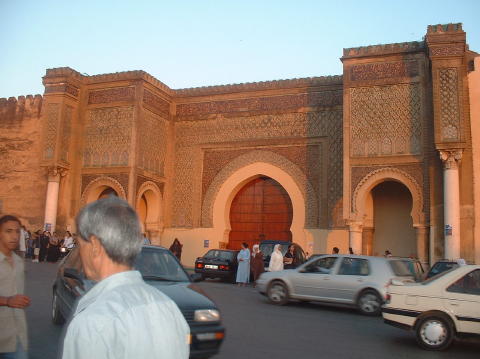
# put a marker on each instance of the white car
(438, 309)
(358, 281)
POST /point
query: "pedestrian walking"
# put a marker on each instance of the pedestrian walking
(44, 242)
(257, 265)
(176, 248)
(121, 317)
(276, 259)
(335, 250)
(13, 327)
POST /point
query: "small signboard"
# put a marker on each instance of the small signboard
(48, 227)
(448, 230)
(206, 243)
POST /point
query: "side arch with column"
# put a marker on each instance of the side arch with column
(359, 210)
(93, 190)
(227, 183)
(154, 214)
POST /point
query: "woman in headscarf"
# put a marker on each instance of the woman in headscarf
(243, 270)
(276, 259)
(256, 263)
(176, 248)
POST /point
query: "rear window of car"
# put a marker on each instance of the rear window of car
(440, 267)
(402, 268)
(219, 254)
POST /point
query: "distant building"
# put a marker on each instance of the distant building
(385, 156)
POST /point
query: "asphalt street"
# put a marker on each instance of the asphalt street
(257, 329)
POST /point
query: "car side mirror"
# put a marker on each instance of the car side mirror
(196, 277)
(72, 273)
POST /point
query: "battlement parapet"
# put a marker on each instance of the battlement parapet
(444, 28)
(262, 85)
(383, 49)
(15, 109)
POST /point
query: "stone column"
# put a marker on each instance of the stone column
(451, 202)
(422, 243)
(355, 237)
(367, 241)
(51, 202)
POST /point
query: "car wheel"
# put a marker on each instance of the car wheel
(277, 293)
(434, 332)
(57, 317)
(369, 303)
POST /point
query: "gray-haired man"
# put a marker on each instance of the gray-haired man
(121, 316)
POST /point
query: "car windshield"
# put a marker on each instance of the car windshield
(440, 267)
(437, 276)
(224, 255)
(159, 265)
(403, 267)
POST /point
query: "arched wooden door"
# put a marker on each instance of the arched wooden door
(261, 209)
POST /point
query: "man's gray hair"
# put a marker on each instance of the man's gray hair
(116, 226)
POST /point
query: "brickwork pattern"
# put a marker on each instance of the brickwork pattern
(394, 112)
(108, 134)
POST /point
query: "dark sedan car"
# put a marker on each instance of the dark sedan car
(218, 263)
(161, 269)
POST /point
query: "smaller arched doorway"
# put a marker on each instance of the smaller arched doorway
(149, 210)
(391, 218)
(261, 209)
(107, 192)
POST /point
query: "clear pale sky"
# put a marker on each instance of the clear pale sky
(190, 43)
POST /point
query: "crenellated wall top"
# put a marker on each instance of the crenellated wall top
(10, 108)
(383, 49)
(444, 28)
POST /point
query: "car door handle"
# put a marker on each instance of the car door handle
(359, 280)
(454, 303)
(326, 278)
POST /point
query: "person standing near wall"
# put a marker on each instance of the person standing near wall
(13, 327)
(243, 270)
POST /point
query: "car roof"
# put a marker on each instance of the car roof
(223, 250)
(273, 241)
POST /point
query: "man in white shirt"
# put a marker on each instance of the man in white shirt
(121, 316)
(13, 325)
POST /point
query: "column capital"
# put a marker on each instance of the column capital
(355, 226)
(451, 158)
(55, 172)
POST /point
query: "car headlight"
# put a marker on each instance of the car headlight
(207, 315)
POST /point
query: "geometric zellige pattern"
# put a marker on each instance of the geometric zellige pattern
(450, 119)
(385, 120)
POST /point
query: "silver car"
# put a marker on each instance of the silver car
(358, 281)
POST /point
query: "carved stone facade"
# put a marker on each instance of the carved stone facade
(108, 135)
(395, 113)
(180, 156)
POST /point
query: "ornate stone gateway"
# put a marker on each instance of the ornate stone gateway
(261, 209)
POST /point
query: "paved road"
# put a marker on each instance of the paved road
(257, 329)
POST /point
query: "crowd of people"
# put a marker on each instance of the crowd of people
(43, 246)
(254, 262)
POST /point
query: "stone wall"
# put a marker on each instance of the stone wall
(22, 180)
